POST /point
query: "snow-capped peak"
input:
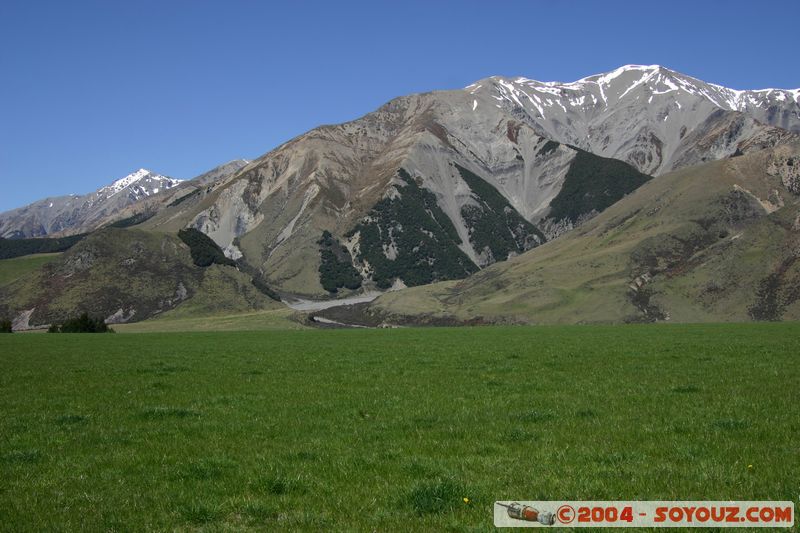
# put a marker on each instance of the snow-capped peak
(606, 78)
(133, 177)
(600, 91)
(142, 182)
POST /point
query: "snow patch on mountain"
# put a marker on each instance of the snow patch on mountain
(625, 79)
(662, 81)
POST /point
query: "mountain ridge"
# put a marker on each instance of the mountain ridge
(650, 70)
(640, 114)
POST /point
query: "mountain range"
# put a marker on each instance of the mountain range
(70, 214)
(440, 186)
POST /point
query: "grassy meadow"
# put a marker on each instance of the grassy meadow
(388, 430)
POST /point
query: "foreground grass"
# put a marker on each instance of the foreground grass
(388, 430)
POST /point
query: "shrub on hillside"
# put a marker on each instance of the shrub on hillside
(5, 326)
(183, 198)
(423, 237)
(133, 220)
(336, 268)
(10, 248)
(204, 250)
(493, 223)
(593, 183)
(82, 324)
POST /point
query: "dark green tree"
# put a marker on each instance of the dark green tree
(18, 247)
(336, 268)
(204, 250)
(81, 324)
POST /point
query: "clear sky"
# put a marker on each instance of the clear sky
(90, 91)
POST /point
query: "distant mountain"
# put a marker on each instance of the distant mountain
(650, 116)
(80, 213)
(54, 215)
(135, 186)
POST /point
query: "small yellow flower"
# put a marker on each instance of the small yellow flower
(749, 466)
(466, 500)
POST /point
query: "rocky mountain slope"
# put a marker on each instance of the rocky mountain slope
(715, 242)
(534, 145)
(219, 173)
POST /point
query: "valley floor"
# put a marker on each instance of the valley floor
(388, 430)
(276, 319)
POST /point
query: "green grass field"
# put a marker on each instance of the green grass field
(388, 430)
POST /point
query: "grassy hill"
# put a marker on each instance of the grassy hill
(18, 267)
(716, 242)
(388, 430)
(128, 275)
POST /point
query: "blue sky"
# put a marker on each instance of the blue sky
(90, 91)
